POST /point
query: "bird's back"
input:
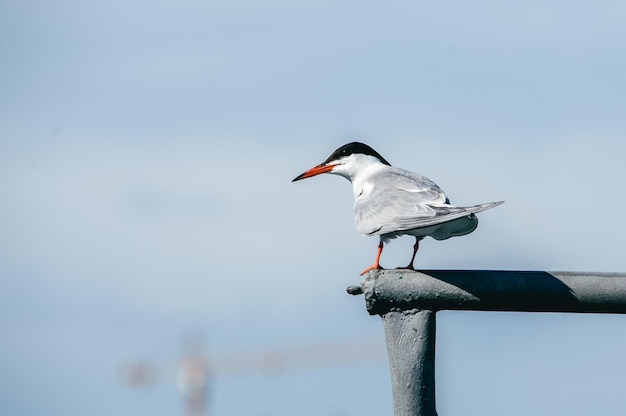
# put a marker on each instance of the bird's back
(394, 201)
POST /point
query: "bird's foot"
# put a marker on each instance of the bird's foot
(373, 267)
(409, 267)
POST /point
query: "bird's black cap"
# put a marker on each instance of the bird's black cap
(352, 148)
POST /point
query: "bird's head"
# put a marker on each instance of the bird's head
(347, 161)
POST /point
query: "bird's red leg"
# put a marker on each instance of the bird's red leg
(377, 262)
(415, 248)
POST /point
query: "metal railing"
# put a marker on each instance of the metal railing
(408, 301)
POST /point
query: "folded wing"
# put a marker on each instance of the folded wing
(391, 209)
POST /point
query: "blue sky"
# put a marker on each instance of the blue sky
(146, 153)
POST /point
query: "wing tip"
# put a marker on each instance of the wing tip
(488, 205)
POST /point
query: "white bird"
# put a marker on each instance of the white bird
(390, 202)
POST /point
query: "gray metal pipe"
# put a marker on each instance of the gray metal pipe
(411, 346)
(407, 301)
(489, 290)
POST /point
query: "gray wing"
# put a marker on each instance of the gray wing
(400, 201)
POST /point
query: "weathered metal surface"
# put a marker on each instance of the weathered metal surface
(489, 290)
(408, 301)
(411, 346)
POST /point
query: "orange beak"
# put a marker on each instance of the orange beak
(317, 170)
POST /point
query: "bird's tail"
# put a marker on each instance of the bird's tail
(482, 207)
(443, 214)
(464, 224)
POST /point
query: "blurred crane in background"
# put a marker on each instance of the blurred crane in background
(194, 370)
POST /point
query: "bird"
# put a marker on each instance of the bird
(390, 202)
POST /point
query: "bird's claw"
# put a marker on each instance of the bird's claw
(374, 267)
(409, 267)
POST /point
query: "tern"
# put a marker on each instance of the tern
(390, 202)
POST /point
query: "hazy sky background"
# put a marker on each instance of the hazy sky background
(146, 154)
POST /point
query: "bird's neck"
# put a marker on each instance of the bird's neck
(361, 182)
